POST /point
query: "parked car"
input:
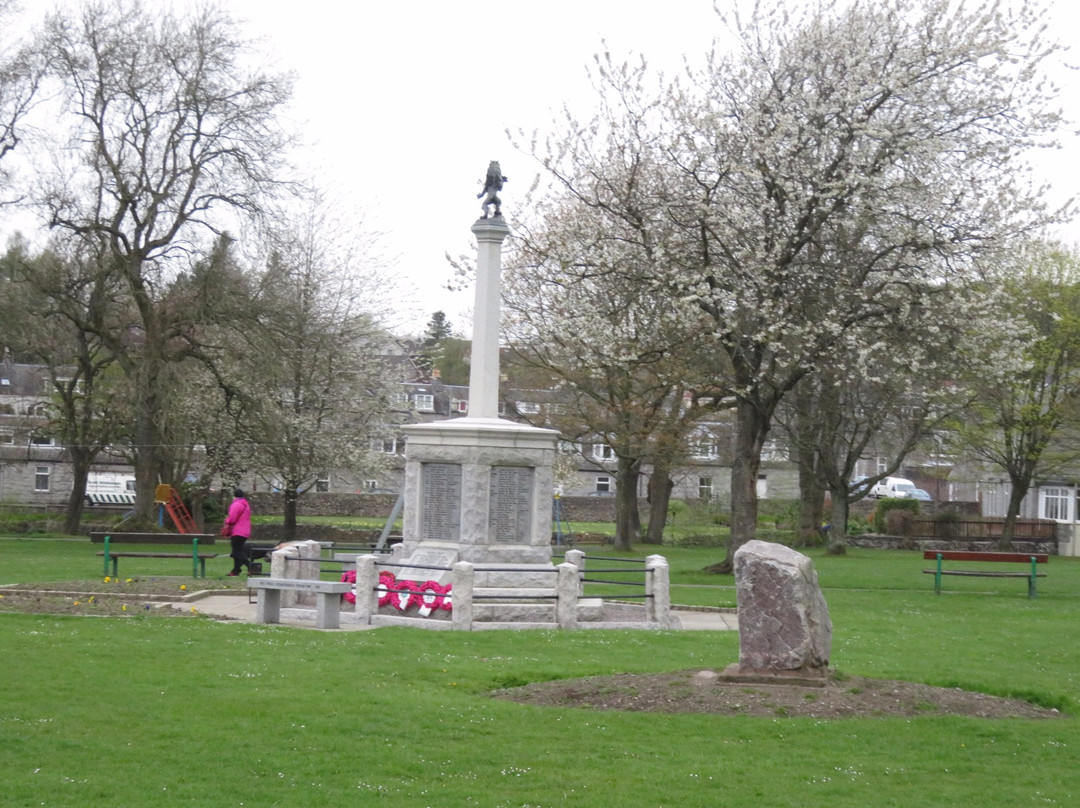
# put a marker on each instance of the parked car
(921, 495)
(893, 487)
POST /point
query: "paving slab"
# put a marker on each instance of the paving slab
(241, 607)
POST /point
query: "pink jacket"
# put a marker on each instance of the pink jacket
(238, 521)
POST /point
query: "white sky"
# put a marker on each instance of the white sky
(404, 103)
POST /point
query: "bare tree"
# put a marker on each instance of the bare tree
(72, 302)
(170, 132)
(20, 78)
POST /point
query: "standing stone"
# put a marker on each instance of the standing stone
(784, 623)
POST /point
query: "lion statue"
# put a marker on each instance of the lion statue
(493, 183)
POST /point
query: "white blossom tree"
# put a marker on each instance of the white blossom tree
(631, 370)
(1018, 423)
(842, 162)
(319, 387)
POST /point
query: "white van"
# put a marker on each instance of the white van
(893, 487)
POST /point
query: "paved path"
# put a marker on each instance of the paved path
(238, 607)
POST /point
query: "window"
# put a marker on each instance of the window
(460, 405)
(371, 485)
(704, 487)
(424, 402)
(704, 451)
(882, 465)
(528, 407)
(322, 486)
(41, 479)
(41, 440)
(391, 445)
(601, 451)
(603, 485)
(5, 382)
(1056, 503)
(7, 438)
(762, 486)
(772, 450)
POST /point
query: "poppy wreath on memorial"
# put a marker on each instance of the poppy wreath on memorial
(428, 597)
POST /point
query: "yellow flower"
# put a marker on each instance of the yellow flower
(183, 586)
(91, 600)
(123, 608)
(76, 603)
(128, 581)
(194, 610)
(107, 579)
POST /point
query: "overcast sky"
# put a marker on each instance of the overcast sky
(404, 103)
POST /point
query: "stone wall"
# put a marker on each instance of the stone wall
(881, 542)
(266, 503)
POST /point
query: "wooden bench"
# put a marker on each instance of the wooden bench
(967, 555)
(198, 560)
(328, 598)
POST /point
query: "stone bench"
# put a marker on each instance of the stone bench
(328, 598)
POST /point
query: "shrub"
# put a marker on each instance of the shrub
(881, 524)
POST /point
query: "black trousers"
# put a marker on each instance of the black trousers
(239, 553)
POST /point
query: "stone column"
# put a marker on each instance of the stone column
(307, 568)
(577, 558)
(658, 587)
(461, 596)
(566, 596)
(367, 599)
(484, 369)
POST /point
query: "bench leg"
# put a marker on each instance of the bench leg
(328, 610)
(268, 606)
(937, 576)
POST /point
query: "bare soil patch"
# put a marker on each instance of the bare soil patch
(695, 691)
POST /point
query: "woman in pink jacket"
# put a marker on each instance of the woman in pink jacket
(238, 529)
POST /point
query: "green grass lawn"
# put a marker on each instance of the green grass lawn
(149, 711)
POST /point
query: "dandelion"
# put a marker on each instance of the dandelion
(128, 581)
(107, 579)
(194, 610)
(91, 599)
(123, 607)
(183, 587)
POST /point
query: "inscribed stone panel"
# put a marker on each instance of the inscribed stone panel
(510, 505)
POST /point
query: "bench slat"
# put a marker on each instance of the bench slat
(158, 555)
(986, 573)
(978, 555)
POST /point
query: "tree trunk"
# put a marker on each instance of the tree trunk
(811, 505)
(80, 470)
(751, 427)
(838, 517)
(660, 488)
(291, 497)
(627, 520)
(1017, 493)
(148, 439)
